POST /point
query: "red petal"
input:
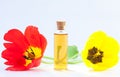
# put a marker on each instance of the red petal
(13, 58)
(32, 36)
(9, 63)
(13, 48)
(36, 62)
(35, 38)
(17, 68)
(43, 42)
(17, 37)
(6, 54)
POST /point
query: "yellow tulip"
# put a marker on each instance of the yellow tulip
(100, 51)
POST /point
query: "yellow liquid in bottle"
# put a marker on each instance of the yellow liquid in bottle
(60, 51)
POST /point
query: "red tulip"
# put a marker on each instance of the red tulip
(23, 51)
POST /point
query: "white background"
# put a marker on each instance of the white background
(82, 17)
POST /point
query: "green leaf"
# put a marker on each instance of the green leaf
(72, 52)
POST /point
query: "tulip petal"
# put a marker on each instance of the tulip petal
(35, 38)
(15, 36)
(105, 45)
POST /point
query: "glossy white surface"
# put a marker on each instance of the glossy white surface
(78, 70)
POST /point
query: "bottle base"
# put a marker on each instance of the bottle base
(59, 69)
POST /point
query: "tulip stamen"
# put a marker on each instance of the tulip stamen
(94, 55)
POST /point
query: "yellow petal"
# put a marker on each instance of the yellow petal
(96, 39)
(108, 45)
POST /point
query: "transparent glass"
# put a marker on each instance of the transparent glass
(60, 50)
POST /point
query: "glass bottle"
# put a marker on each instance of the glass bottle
(60, 47)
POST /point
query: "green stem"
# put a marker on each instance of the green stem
(74, 56)
(69, 62)
(73, 61)
(47, 57)
(46, 62)
(50, 58)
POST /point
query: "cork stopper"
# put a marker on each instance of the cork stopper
(60, 25)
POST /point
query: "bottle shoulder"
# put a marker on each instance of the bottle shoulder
(60, 32)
